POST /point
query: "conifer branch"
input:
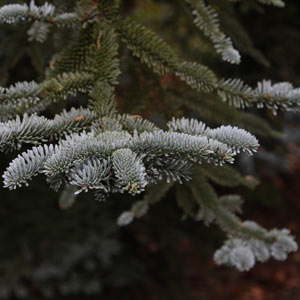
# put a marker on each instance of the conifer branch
(38, 32)
(153, 51)
(21, 13)
(147, 46)
(14, 13)
(273, 96)
(278, 3)
(28, 90)
(102, 100)
(206, 19)
(37, 129)
(103, 60)
(93, 174)
(237, 139)
(180, 145)
(75, 120)
(189, 126)
(31, 97)
(102, 151)
(27, 165)
(129, 171)
(93, 51)
(197, 76)
(227, 176)
(32, 129)
(247, 241)
(162, 152)
(65, 84)
(79, 148)
(136, 123)
(73, 57)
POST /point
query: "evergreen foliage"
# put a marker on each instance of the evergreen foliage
(206, 19)
(101, 149)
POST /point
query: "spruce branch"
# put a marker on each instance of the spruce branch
(273, 96)
(19, 97)
(180, 145)
(153, 51)
(278, 3)
(26, 165)
(189, 126)
(227, 176)
(206, 19)
(235, 92)
(129, 171)
(136, 123)
(23, 13)
(103, 60)
(45, 11)
(163, 153)
(29, 90)
(102, 99)
(94, 51)
(231, 202)
(236, 138)
(75, 120)
(58, 88)
(37, 129)
(31, 129)
(73, 57)
(102, 151)
(175, 170)
(104, 124)
(32, 97)
(77, 148)
(13, 13)
(129, 123)
(38, 31)
(147, 46)
(68, 19)
(92, 174)
(242, 254)
(197, 76)
(247, 241)
(206, 197)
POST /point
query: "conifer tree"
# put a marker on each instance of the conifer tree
(100, 149)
